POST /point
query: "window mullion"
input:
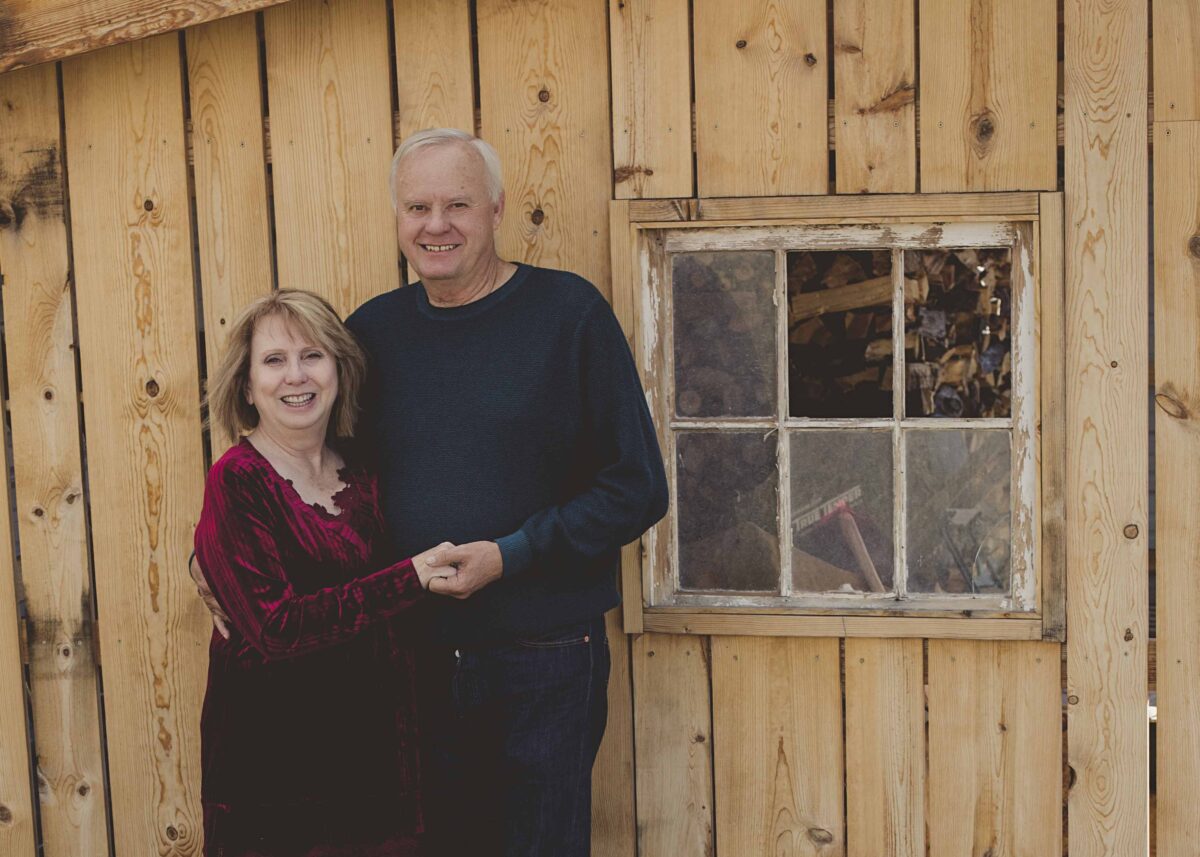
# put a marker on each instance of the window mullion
(899, 387)
(783, 447)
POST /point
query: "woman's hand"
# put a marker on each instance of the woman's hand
(429, 564)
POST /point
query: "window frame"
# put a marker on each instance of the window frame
(645, 231)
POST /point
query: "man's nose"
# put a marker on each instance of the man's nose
(437, 221)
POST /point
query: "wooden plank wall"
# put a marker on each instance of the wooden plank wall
(716, 745)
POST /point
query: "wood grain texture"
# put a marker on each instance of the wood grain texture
(885, 749)
(1052, 342)
(847, 209)
(540, 63)
(232, 209)
(1177, 454)
(137, 340)
(652, 98)
(761, 97)
(330, 102)
(995, 749)
(837, 624)
(673, 730)
(1106, 251)
(614, 816)
(43, 405)
(989, 74)
(434, 65)
(777, 746)
(1176, 60)
(37, 31)
(875, 74)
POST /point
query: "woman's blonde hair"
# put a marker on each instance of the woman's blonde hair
(310, 315)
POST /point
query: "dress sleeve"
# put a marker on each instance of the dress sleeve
(236, 544)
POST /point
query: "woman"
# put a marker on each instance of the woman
(307, 731)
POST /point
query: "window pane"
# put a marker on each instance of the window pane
(727, 493)
(840, 333)
(958, 318)
(724, 330)
(959, 520)
(842, 509)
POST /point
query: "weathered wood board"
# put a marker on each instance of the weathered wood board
(885, 748)
(614, 819)
(1176, 60)
(673, 733)
(331, 141)
(39, 340)
(137, 340)
(232, 207)
(777, 746)
(652, 98)
(988, 95)
(1052, 342)
(1106, 251)
(434, 65)
(1177, 453)
(761, 98)
(539, 64)
(875, 74)
(995, 748)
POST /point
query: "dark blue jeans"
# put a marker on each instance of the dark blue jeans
(509, 768)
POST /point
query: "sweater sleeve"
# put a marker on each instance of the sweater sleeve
(629, 491)
(237, 547)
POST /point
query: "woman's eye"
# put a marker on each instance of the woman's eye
(273, 360)
(313, 355)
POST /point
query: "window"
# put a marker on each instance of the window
(850, 414)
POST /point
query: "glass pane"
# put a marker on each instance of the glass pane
(842, 509)
(957, 321)
(727, 491)
(959, 511)
(840, 333)
(724, 330)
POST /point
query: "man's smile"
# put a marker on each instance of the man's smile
(438, 248)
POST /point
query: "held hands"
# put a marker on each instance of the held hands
(461, 571)
(219, 619)
(428, 565)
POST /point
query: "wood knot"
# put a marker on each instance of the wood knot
(650, 653)
(1130, 531)
(38, 511)
(66, 651)
(84, 790)
(1072, 700)
(1128, 635)
(739, 44)
(1171, 406)
(543, 95)
(151, 388)
(811, 59)
(48, 395)
(624, 174)
(537, 216)
(698, 738)
(7, 215)
(72, 497)
(148, 205)
(1194, 246)
(983, 127)
(820, 835)
(221, 321)
(1003, 727)
(5, 815)
(1071, 777)
(172, 833)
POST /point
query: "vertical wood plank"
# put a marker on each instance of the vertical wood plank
(1052, 342)
(995, 748)
(233, 222)
(40, 352)
(989, 74)
(1176, 60)
(652, 98)
(1107, 468)
(1177, 364)
(762, 121)
(137, 337)
(885, 749)
(874, 56)
(540, 63)
(614, 819)
(777, 746)
(433, 65)
(331, 147)
(673, 729)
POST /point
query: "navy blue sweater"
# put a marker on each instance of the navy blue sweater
(520, 419)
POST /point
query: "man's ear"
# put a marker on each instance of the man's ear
(498, 211)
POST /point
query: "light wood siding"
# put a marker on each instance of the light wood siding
(1177, 396)
(433, 65)
(1176, 60)
(761, 97)
(652, 98)
(1106, 251)
(39, 340)
(137, 340)
(331, 143)
(988, 90)
(875, 80)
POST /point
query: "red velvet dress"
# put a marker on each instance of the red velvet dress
(308, 728)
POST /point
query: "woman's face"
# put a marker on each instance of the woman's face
(293, 382)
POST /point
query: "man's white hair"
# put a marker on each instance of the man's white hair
(442, 137)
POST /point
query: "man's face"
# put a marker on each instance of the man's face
(445, 220)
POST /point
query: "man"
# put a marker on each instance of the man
(508, 418)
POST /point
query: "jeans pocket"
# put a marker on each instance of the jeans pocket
(559, 638)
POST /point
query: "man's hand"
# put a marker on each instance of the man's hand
(477, 563)
(429, 565)
(220, 620)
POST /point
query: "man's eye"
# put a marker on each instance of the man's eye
(417, 209)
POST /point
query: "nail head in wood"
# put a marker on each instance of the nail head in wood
(741, 43)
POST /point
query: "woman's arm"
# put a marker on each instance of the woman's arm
(237, 548)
